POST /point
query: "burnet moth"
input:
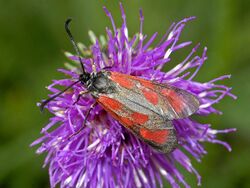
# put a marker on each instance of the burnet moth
(144, 107)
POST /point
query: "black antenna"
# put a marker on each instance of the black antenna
(56, 95)
(83, 70)
(74, 43)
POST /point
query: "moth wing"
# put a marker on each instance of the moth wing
(182, 103)
(146, 108)
(163, 140)
(168, 101)
(145, 124)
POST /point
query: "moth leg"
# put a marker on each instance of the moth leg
(79, 96)
(84, 122)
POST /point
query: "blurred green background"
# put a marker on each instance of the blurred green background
(32, 41)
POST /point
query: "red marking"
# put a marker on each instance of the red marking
(110, 103)
(108, 109)
(157, 136)
(112, 106)
(127, 122)
(122, 79)
(174, 99)
(139, 118)
(151, 96)
(146, 83)
(127, 80)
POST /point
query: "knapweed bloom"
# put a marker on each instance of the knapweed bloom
(104, 153)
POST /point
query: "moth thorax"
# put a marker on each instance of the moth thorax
(100, 83)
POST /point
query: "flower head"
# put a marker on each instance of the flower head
(104, 153)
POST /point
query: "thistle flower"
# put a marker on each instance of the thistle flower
(105, 154)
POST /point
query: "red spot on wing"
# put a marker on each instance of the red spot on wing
(122, 79)
(175, 100)
(157, 136)
(113, 107)
(127, 122)
(139, 118)
(127, 81)
(146, 83)
(109, 103)
(151, 96)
